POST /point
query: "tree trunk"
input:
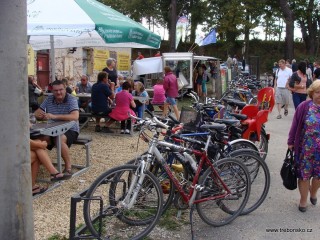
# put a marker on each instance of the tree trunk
(193, 26)
(308, 27)
(246, 38)
(289, 19)
(172, 29)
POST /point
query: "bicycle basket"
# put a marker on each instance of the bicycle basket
(190, 118)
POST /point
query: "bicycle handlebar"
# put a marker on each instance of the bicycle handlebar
(150, 121)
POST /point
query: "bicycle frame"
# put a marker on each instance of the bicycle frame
(195, 187)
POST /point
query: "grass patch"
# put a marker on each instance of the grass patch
(57, 237)
(170, 221)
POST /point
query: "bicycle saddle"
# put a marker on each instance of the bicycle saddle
(239, 116)
(215, 126)
(229, 122)
(235, 103)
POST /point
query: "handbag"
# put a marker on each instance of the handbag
(288, 173)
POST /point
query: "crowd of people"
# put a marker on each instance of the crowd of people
(300, 81)
(110, 96)
(291, 80)
(114, 97)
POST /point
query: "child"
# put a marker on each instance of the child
(139, 92)
(124, 101)
(159, 96)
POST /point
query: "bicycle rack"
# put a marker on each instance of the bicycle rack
(81, 233)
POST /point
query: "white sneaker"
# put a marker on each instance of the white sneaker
(127, 131)
(122, 131)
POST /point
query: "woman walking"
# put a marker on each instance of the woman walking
(298, 84)
(304, 139)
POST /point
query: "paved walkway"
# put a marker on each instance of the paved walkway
(278, 217)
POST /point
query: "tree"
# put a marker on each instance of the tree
(289, 20)
(234, 18)
(307, 15)
(172, 28)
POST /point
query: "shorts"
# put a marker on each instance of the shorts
(72, 136)
(171, 101)
(282, 96)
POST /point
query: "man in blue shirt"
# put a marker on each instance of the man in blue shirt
(61, 106)
(102, 93)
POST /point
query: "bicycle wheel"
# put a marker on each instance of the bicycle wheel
(232, 146)
(242, 144)
(253, 101)
(166, 184)
(259, 176)
(115, 219)
(222, 211)
(262, 145)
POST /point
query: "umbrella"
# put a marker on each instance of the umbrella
(80, 23)
(83, 23)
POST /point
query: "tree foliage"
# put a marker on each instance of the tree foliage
(232, 19)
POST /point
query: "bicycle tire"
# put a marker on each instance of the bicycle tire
(222, 211)
(259, 176)
(262, 145)
(166, 184)
(232, 146)
(253, 101)
(117, 220)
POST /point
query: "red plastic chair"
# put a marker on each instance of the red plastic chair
(266, 99)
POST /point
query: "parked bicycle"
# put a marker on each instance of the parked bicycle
(130, 197)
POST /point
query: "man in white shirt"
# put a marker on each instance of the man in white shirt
(282, 93)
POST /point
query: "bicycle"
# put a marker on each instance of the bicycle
(220, 191)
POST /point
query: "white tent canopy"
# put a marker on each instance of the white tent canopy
(83, 23)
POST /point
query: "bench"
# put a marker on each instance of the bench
(89, 116)
(84, 140)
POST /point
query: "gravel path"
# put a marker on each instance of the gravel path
(52, 209)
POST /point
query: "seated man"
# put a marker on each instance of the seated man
(102, 91)
(84, 87)
(61, 106)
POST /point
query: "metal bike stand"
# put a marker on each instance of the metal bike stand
(81, 233)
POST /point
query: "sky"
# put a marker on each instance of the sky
(260, 33)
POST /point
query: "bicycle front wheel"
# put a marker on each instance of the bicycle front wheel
(114, 217)
(222, 211)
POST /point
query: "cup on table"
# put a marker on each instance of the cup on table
(32, 118)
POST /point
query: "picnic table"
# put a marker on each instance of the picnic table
(53, 129)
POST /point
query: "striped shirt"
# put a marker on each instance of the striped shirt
(69, 105)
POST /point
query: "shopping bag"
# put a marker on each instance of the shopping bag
(288, 173)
